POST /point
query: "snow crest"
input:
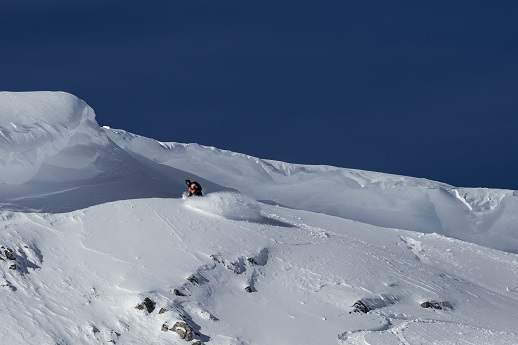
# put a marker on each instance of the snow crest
(36, 126)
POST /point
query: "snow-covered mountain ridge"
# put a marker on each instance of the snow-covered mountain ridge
(51, 138)
(479, 215)
(92, 223)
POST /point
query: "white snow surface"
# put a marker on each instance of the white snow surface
(484, 216)
(45, 126)
(94, 220)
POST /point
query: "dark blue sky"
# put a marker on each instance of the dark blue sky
(419, 88)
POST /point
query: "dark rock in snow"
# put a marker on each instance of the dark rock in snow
(215, 259)
(7, 284)
(12, 267)
(426, 305)
(147, 304)
(9, 253)
(249, 289)
(192, 280)
(360, 307)
(163, 310)
(433, 305)
(165, 327)
(178, 293)
(183, 330)
(197, 343)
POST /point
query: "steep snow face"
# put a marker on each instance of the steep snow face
(53, 127)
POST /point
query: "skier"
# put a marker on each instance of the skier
(194, 188)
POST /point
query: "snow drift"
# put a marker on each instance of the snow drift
(38, 126)
(227, 205)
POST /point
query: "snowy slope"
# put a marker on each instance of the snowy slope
(83, 243)
(88, 269)
(484, 216)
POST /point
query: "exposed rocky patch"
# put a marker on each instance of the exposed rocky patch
(183, 330)
(182, 311)
(8, 253)
(360, 307)
(215, 259)
(239, 265)
(147, 305)
(177, 292)
(196, 279)
(20, 259)
(193, 280)
(364, 305)
(436, 305)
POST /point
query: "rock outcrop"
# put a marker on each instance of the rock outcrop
(147, 305)
(183, 330)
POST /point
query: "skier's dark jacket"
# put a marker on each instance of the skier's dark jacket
(194, 188)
